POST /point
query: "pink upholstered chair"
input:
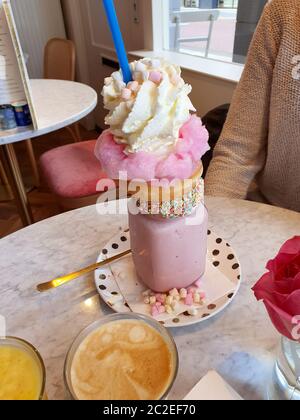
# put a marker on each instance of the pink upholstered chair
(72, 173)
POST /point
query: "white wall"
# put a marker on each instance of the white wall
(37, 22)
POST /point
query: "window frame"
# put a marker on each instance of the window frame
(156, 42)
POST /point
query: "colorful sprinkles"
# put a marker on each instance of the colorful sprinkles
(176, 208)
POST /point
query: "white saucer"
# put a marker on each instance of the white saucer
(220, 254)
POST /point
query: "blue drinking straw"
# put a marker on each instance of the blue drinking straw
(118, 39)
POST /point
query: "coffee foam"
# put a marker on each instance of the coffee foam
(123, 360)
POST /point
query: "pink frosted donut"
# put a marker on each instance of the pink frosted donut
(191, 146)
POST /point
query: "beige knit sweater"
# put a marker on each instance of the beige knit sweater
(260, 143)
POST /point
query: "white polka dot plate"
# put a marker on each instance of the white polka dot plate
(220, 255)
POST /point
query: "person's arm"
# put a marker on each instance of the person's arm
(241, 150)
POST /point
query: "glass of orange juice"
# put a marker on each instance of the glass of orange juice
(22, 371)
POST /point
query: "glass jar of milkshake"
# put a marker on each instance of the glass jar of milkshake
(155, 136)
(169, 238)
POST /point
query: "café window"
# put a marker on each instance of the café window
(214, 29)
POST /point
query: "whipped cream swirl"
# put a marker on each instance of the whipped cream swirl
(148, 113)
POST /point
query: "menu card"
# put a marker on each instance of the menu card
(14, 80)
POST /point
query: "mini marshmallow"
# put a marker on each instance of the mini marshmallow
(152, 300)
(155, 63)
(140, 67)
(146, 292)
(146, 300)
(155, 77)
(133, 86)
(162, 309)
(169, 300)
(126, 94)
(189, 299)
(191, 289)
(154, 311)
(173, 292)
(160, 298)
(183, 293)
(173, 304)
(169, 309)
(197, 297)
(202, 295)
(193, 312)
(158, 304)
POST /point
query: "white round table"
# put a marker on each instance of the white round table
(58, 104)
(240, 343)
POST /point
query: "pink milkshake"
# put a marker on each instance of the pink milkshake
(169, 253)
(154, 136)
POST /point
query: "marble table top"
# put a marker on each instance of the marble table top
(58, 103)
(240, 343)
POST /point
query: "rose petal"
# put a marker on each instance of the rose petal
(288, 285)
(296, 282)
(278, 264)
(265, 286)
(292, 246)
(279, 299)
(291, 305)
(287, 253)
(280, 319)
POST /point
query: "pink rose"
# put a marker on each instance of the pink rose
(280, 289)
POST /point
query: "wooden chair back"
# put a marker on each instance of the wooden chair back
(59, 59)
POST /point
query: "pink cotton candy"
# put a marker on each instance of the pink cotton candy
(175, 166)
(194, 139)
(191, 146)
(113, 159)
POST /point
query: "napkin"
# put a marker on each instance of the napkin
(214, 283)
(213, 387)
